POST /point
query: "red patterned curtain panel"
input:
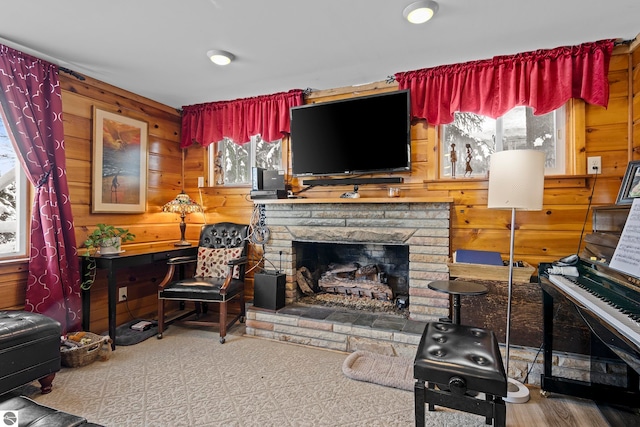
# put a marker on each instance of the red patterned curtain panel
(32, 106)
(267, 115)
(542, 79)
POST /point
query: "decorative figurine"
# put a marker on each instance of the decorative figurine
(454, 158)
(468, 169)
(218, 171)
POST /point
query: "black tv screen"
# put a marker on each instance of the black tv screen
(352, 136)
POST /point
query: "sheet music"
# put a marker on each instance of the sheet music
(626, 257)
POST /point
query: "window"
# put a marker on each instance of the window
(13, 200)
(468, 142)
(232, 162)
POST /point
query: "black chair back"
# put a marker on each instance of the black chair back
(224, 235)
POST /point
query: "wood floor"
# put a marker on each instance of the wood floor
(561, 410)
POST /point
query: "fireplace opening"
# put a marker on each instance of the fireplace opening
(364, 275)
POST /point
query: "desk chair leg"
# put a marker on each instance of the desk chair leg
(223, 322)
(419, 395)
(243, 308)
(160, 318)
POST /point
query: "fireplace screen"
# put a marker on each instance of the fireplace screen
(371, 271)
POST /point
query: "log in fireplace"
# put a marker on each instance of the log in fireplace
(364, 270)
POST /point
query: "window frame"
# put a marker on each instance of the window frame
(214, 149)
(564, 124)
(23, 209)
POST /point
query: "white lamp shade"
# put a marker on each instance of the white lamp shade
(516, 180)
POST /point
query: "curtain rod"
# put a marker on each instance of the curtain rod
(42, 56)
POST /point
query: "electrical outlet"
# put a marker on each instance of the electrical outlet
(122, 294)
(201, 181)
(594, 165)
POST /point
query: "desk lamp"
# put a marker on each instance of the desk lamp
(516, 181)
(182, 204)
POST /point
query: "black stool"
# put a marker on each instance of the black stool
(460, 360)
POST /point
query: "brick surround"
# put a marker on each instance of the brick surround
(421, 225)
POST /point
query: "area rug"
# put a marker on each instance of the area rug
(390, 371)
(127, 336)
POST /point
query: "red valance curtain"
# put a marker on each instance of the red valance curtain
(267, 115)
(542, 79)
(32, 106)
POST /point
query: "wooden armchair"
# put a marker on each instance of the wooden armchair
(218, 278)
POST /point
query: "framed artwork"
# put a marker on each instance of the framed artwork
(119, 176)
(630, 188)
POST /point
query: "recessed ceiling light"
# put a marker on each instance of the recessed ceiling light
(220, 57)
(420, 11)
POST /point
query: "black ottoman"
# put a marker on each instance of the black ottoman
(31, 414)
(29, 349)
(461, 361)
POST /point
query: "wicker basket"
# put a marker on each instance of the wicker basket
(84, 354)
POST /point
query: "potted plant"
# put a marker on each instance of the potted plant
(105, 239)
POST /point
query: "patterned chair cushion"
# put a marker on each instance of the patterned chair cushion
(213, 262)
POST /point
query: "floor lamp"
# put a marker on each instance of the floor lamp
(516, 182)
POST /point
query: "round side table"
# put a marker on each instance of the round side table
(455, 288)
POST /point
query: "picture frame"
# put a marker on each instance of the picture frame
(630, 188)
(119, 175)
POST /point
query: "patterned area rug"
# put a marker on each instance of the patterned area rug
(189, 379)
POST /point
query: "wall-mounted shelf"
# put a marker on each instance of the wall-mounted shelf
(301, 200)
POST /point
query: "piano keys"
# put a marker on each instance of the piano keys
(609, 304)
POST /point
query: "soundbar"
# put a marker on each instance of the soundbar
(353, 181)
(268, 194)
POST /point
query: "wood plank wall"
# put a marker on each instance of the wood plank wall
(612, 133)
(634, 84)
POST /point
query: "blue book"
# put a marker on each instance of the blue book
(477, 257)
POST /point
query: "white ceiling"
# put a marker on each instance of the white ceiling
(157, 48)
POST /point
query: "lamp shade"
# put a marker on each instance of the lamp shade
(516, 180)
(182, 204)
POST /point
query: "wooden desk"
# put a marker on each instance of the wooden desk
(113, 263)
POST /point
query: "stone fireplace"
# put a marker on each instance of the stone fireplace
(418, 227)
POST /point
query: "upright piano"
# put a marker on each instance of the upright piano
(608, 302)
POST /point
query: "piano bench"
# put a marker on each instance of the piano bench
(457, 362)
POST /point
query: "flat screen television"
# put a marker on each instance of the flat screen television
(361, 135)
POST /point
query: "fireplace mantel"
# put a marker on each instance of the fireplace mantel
(304, 200)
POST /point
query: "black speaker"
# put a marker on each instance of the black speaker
(273, 180)
(256, 178)
(268, 290)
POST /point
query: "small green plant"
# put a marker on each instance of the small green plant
(105, 239)
(107, 235)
